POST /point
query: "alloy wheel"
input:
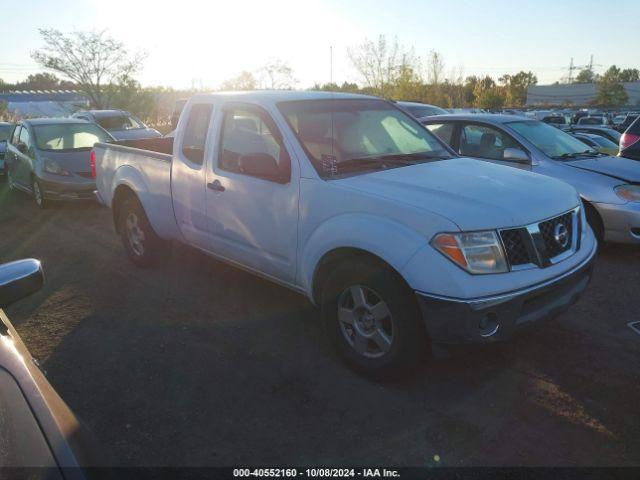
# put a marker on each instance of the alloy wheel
(365, 321)
(135, 235)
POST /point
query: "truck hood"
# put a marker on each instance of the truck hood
(617, 167)
(471, 193)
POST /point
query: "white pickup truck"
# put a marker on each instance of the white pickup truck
(351, 202)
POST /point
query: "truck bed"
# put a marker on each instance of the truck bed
(157, 145)
(145, 167)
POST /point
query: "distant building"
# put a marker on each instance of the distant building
(48, 103)
(577, 94)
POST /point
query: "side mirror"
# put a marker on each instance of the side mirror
(515, 155)
(22, 147)
(260, 165)
(19, 279)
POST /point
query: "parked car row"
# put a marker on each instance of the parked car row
(607, 185)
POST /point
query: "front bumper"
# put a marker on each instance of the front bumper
(53, 190)
(481, 320)
(621, 222)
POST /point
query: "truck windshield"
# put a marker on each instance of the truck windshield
(68, 136)
(357, 134)
(552, 141)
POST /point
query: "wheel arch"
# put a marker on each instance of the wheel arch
(337, 255)
(121, 193)
(590, 208)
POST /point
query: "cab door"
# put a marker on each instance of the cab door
(188, 175)
(252, 193)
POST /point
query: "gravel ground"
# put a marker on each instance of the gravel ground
(197, 363)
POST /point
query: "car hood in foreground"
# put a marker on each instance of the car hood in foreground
(473, 194)
(617, 167)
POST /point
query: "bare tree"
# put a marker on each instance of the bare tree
(382, 64)
(277, 75)
(92, 60)
(435, 68)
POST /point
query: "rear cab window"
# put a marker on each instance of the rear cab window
(195, 134)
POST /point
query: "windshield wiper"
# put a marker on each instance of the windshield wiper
(586, 153)
(390, 160)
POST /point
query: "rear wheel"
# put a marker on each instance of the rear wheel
(142, 244)
(373, 319)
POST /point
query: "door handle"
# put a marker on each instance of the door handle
(216, 185)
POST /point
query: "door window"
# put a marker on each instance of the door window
(25, 137)
(15, 138)
(444, 131)
(195, 135)
(485, 142)
(251, 145)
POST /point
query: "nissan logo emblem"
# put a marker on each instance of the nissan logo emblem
(561, 235)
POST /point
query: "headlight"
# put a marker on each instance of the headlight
(628, 192)
(51, 166)
(476, 252)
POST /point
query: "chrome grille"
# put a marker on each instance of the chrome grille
(515, 246)
(542, 244)
(549, 230)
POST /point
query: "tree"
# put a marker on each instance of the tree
(127, 94)
(516, 87)
(92, 60)
(585, 76)
(630, 75)
(243, 81)
(611, 92)
(43, 81)
(435, 68)
(381, 63)
(277, 75)
(487, 94)
(334, 87)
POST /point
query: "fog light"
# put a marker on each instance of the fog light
(488, 325)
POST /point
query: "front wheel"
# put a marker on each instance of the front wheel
(373, 319)
(143, 246)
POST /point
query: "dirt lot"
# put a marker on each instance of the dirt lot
(198, 363)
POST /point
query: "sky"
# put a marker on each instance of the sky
(203, 43)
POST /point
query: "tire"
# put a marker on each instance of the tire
(372, 318)
(143, 246)
(595, 222)
(38, 195)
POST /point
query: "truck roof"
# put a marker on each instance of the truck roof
(280, 95)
